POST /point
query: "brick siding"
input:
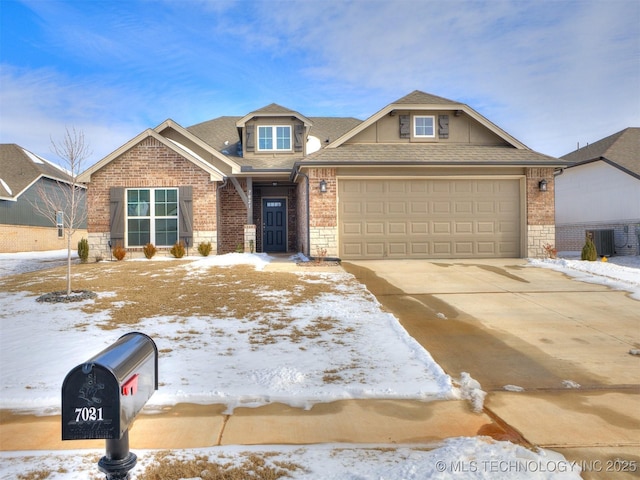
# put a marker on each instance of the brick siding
(153, 165)
(571, 238)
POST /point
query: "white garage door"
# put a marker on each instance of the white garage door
(429, 218)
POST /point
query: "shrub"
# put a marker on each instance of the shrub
(83, 250)
(177, 250)
(239, 248)
(150, 250)
(550, 251)
(589, 251)
(204, 248)
(119, 252)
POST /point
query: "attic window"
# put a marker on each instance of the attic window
(272, 138)
(423, 126)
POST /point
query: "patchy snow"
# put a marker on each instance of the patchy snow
(212, 360)
(248, 377)
(469, 458)
(620, 273)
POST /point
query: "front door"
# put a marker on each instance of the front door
(274, 213)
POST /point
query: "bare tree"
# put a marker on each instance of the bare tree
(65, 204)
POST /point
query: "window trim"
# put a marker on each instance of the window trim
(151, 216)
(433, 126)
(274, 138)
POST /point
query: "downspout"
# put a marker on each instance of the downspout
(308, 215)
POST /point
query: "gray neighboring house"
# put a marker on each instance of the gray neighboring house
(599, 196)
(22, 228)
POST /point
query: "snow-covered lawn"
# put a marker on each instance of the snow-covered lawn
(229, 369)
(322, 349)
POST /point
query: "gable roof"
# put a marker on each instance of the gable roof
(215, 174)
(274, 110)
(620, 150)
(19, 169)
(418, 100)
(222, 134)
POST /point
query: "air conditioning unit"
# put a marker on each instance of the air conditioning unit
(604, 241)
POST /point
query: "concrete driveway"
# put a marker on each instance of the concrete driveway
(565, 343)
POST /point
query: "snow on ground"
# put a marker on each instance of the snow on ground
(456, 458)
(620, 273)
(211, 360)
(28, 327)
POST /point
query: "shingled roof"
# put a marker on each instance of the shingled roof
(19, 169)
(621, 150)
(429, 154)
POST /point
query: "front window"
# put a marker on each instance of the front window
(60, 224)
(152, 217)
(423, 126)
(274, 138)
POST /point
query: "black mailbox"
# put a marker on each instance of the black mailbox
(101, 397)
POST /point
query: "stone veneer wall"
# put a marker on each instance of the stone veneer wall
(323, 228)
(540, 211)
(150, 164)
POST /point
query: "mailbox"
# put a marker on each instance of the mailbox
(101, 397)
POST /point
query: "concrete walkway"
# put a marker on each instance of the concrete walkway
(563, 342)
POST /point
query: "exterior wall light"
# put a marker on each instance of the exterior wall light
(542, 185)
(323, 186)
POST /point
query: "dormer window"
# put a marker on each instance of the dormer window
(424, 126)
(274, 138)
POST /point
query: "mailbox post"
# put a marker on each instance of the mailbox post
(101, 398)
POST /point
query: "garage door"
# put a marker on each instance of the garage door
(429, 218)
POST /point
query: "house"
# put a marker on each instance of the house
(599, 195)
(23, 176)
(424, 177)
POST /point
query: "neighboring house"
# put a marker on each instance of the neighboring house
(599, 194)
(23, 176)
(425, 177)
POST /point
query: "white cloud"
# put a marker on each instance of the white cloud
(549, 76)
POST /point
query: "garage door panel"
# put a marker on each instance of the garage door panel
(442, 248)
(398, 249)
(374, 228)
(374, 208)
(429, 218)
(441, 208)
(463, 248)
(485, 227)
(486, 248)
(375, 249)
(352, 228)
(397, 228)
(440, 228)
(464, 227)
(418, 228)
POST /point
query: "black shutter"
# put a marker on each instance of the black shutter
(405, 126)
(185, 214)
(250, 138)
(116, 211)
(298, 134)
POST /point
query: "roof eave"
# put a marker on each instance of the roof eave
(215, 174)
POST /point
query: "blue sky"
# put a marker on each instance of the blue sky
(550, 73)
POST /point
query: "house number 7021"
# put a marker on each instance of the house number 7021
(89, 414)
